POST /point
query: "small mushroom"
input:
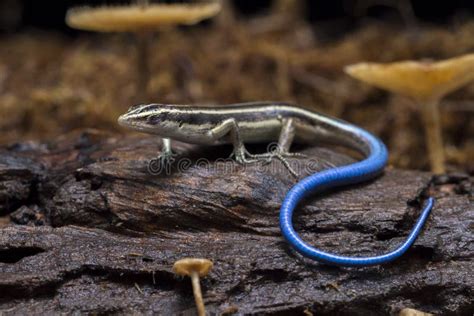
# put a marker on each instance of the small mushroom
(194, 268)
(424, 82)
(141, 18)
(413, 312)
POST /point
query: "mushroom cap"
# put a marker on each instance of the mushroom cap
(186, 266)
(413, 312)
(136, 17)
(422, 81)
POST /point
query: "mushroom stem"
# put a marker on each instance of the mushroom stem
(431, 120)
(197, 294)
(143, 65)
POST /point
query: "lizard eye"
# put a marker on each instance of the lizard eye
(153, 119)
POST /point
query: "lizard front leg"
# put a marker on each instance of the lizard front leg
(166, 151)
(162, 164)
(231, 128)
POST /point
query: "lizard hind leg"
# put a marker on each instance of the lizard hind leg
(231, 128)
(282, 151)
(242, 156)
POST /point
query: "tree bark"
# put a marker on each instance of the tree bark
(91, 230)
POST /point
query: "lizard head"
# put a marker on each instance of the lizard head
(160, 119)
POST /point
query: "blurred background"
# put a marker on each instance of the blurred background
(55, 79)
(18, 15)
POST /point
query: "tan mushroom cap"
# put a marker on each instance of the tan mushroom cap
(186, 266)
(136, 17)
(422, 81)
(413, 312)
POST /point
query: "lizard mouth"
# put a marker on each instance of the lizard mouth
(126, 120)
(131, 122)
(123, 120)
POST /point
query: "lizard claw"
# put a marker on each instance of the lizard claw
(280, 156)
(242, 156)
(161, 164)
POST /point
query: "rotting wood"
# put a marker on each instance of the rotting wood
(116, 229)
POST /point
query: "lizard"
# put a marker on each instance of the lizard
(239, 124)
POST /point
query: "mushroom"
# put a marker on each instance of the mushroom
(424, 82)
(194, 268)
(413, 312)
(140, 18)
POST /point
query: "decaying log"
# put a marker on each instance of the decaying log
(93, 231)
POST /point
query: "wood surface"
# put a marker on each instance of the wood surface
(86, 228)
